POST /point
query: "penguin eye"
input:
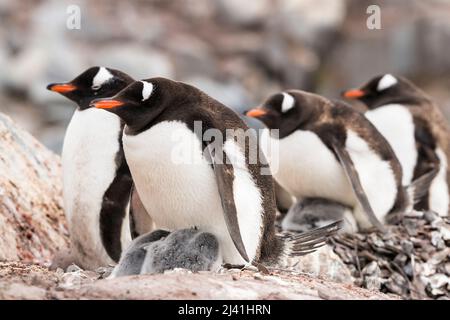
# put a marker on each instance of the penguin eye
(96, 87)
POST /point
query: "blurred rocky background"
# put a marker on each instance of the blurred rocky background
(238, 52)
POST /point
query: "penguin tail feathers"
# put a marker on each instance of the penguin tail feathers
(307, 242)
(419, 187)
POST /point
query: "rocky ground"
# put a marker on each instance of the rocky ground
(31, 281)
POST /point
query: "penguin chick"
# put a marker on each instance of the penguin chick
(161, 250)
(417, 131)
(96, 179)
(133, 257)
(188, 249)
(331, 151)
(230, 197)
(311, 213)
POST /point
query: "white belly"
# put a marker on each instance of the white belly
(307, 168)
(88, 161)
(396, 124)
(178, 187)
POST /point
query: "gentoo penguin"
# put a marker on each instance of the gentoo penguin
(331, 151)
(416, 129)
(192, 166)
(161, 250)
(96, 178)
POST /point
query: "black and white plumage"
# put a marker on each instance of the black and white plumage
(328, 150)
(172, 169)
(96, 178)
(417, 131)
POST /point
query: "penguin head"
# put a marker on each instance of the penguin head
(95, 82)
(288, 110)
(382, 90)
(141, 101)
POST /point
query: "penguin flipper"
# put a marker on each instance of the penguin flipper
(419, 187)
(140, 220)
(223, 171)
(309, 241)
(353, 176)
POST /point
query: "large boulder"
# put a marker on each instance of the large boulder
(32, 223)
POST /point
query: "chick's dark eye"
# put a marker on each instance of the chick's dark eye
(96, 87)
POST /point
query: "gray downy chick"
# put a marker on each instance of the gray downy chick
(311, 213)
(161, 250)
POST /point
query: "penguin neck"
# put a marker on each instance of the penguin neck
(135, 124)
(407, 99)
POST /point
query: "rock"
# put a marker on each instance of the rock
(249, 13)
(371, 274)
(32, 222)
(310, 20)
(140, 62)
(20, 291)
(437, 241)
(430, 216)
(322, 263)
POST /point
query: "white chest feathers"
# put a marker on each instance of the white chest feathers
(178, 187)
(88, 162)
(396, 124)
(307, 168)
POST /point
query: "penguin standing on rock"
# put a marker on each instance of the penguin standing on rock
(329, 150)
(417, 131)
(187, 180)
(96, 178)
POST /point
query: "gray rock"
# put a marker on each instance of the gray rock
(240, 13)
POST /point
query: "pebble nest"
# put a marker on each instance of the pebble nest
(412, 259)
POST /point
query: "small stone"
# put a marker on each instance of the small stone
(430, 216)
(73, 268)
(447, 268)
(258, 276)
(400, 259)
(408, 269)
(371, 269)
(438, 280)
(410, 227)
(407, 247)
(437, 241)
(396, 284)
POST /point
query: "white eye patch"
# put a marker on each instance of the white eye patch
(102, 76)
(386, 82)
(146, 90)
(288, 102)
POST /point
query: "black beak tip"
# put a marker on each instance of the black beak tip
(49, 87)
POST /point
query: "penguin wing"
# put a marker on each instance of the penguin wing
(224, 173)
(419, 188)
(353, 177)
(140, 220)
(309, 241)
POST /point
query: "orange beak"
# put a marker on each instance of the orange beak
(255, 113)
(106, 104)
(354, 94)
(61, 88)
